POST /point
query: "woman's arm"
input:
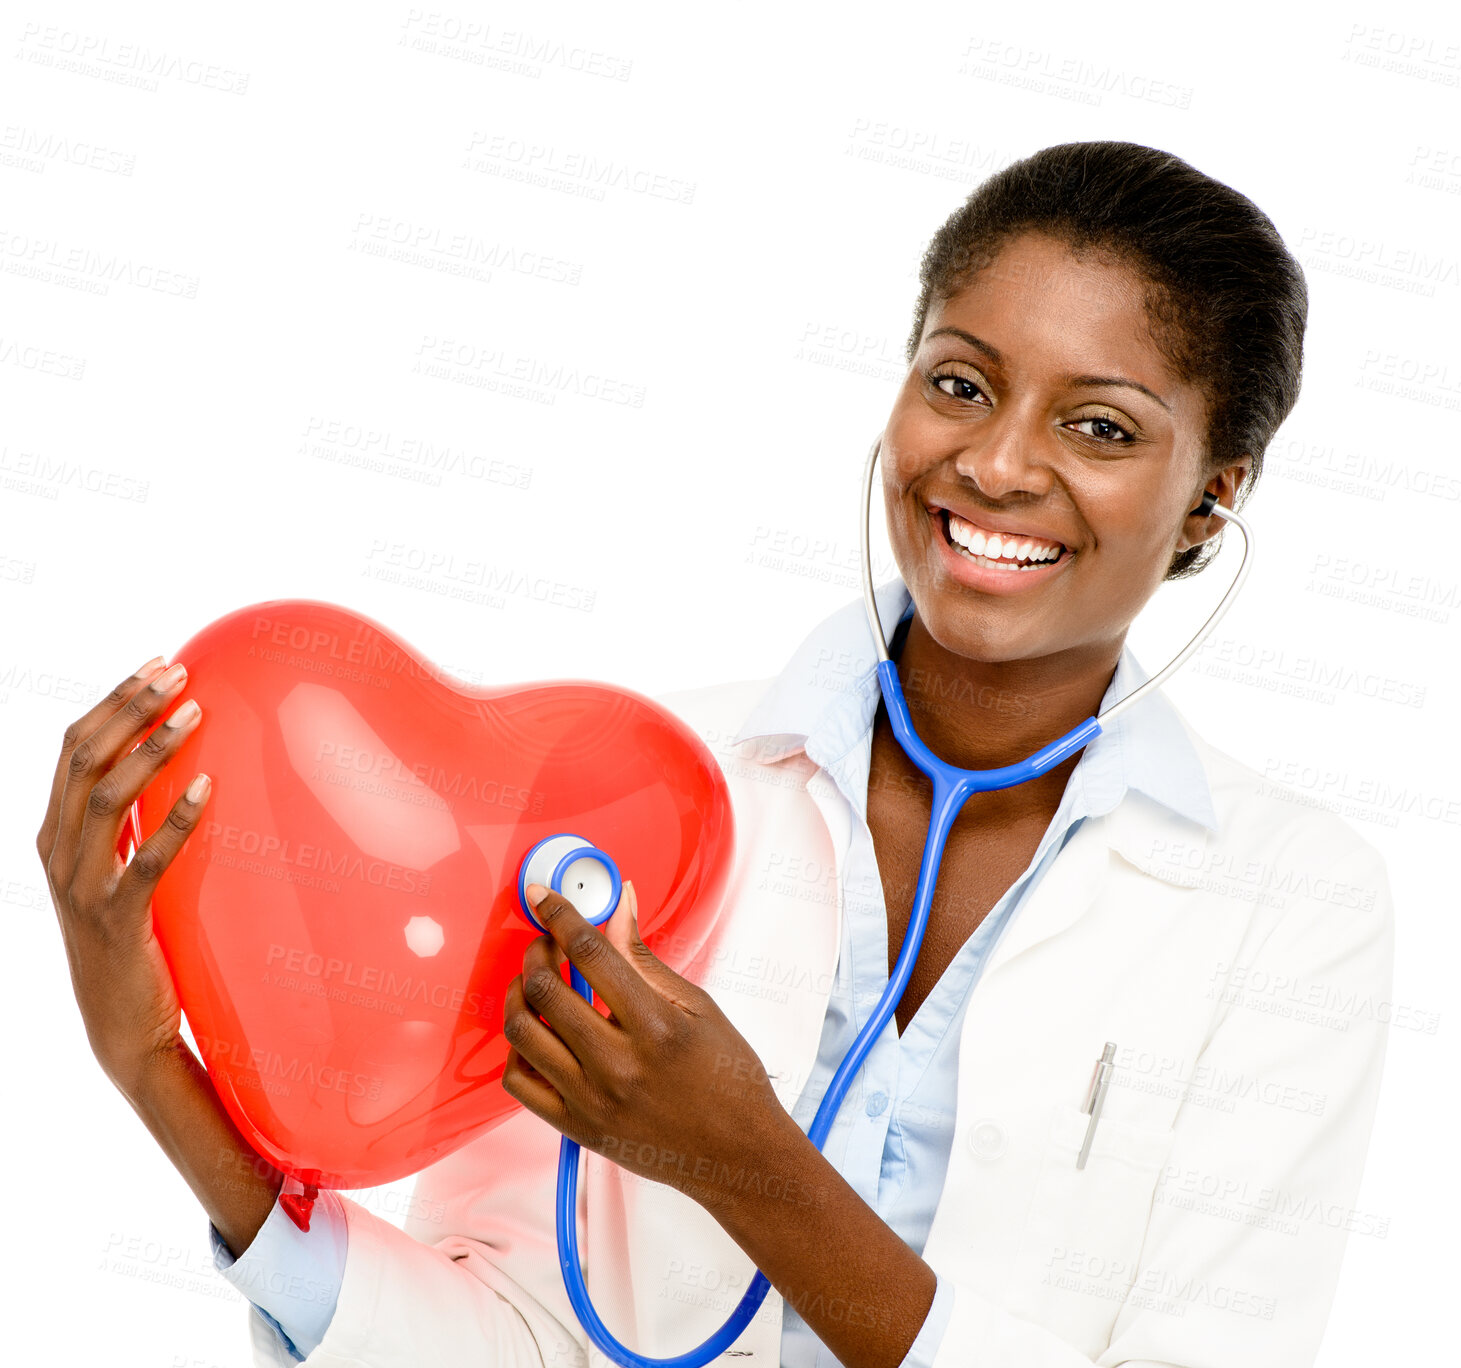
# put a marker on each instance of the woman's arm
(122, 985)
(236, 1185)
(402, 1302)
(862, 1290)
(647, 1090)
(669, 1089)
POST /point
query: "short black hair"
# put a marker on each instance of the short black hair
(1227, 300)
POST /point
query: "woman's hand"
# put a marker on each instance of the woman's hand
(670, 1090)
(118, 972)
(666, 1087)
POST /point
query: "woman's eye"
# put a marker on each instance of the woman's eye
(957, 386)
(1103, 429)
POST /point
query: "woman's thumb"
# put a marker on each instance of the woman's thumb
(623, 924)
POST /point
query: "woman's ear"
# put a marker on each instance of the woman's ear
(1197, 528)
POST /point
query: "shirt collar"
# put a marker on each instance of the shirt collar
(825, 699)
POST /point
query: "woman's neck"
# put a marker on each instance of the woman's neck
(983, 714)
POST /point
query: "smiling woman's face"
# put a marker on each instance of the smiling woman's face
(1038, 408)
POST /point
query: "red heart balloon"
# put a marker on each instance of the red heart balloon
(343, 923)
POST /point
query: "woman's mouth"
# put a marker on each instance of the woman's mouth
(1007, 552)
(993, 561)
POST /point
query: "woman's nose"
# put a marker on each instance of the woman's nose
(1006, 456)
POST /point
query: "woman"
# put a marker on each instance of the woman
(1103, 335)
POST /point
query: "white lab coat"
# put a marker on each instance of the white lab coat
(1242, 975)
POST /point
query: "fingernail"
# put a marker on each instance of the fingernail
(184, 715)
(170, 678)
(143, 671)
(198, 788)
(536, 893)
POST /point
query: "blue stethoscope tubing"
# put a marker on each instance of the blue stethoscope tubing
(952, 787)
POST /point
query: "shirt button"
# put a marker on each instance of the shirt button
(987, 1139)
(877, 1104)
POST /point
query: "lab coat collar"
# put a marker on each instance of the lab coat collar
(1156, 797)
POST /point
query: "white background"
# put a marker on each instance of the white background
(203, 272)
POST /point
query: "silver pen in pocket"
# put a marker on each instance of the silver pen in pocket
(1096, 1098)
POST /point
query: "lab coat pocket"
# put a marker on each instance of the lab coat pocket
(1082, 1243)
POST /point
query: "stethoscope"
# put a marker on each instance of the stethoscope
(589, 879)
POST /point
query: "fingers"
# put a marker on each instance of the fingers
(594, 956)
(522, 1081)
(620, 928)
(91, 753)
(156, 852)
(579, 1028)
(115, 791)
(537, 1044)
(81, 728)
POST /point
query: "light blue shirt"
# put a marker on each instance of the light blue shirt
(893, 1132)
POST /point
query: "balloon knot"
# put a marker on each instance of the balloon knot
(298, 1205)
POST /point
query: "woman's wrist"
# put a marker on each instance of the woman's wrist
(777, 1164)
(177, 1102)
(868, 1304)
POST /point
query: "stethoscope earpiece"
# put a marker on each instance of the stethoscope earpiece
(577, 869)
(1209, 502)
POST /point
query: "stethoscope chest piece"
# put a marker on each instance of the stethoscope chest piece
(576, 868)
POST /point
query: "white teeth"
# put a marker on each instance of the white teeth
(995, 547)
(1000, 564)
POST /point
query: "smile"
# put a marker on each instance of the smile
(996, 562)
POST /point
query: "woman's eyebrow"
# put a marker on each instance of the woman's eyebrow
(1092, 381)
(977, 343)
